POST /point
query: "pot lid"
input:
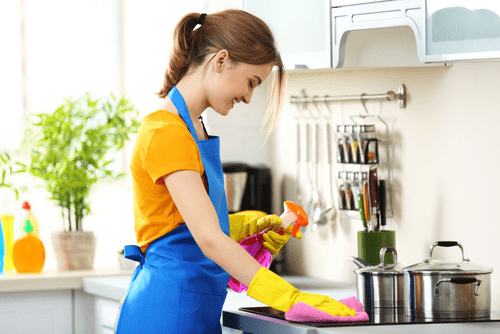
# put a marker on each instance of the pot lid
(382, 269)
(385, 270)
(430, 266)
(440, 267)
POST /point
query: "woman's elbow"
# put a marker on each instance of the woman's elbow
(213, 246)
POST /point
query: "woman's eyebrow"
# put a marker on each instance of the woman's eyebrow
(259, 80)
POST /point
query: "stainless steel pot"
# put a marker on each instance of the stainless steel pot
(436, 289)
(380, 286)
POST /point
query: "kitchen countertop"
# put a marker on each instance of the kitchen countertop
(55, 280)
(113, 284)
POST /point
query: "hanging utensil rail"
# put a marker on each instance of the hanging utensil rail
(389, 96)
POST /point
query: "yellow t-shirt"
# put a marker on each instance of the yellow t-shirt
(164, 145)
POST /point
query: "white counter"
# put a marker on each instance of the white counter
(54, 280)
(106, 288)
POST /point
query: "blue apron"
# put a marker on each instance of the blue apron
(176, 288)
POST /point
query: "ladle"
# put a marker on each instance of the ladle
(320, 212)
(317, 204)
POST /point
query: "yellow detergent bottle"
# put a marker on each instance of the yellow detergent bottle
(8, 235)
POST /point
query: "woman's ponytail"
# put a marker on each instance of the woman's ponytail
(181, 53)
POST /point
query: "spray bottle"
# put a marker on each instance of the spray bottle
(254, 244)
(28, 253)
(25, 223)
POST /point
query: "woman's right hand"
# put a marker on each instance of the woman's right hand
(272, 290)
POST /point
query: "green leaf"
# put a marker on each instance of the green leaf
(72, 148)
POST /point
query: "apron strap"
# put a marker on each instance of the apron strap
(134, 253)
(175, 96)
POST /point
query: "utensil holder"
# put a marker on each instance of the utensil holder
(370, 243)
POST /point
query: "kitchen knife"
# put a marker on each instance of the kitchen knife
(362, 211)
(372, 186)
(382, 202)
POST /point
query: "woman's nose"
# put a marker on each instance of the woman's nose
(248, 97)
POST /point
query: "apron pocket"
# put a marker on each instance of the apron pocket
(201, 312)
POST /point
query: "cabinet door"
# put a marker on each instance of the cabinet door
(40, 312)
(340, 3)
(301, 29)
(462, 30)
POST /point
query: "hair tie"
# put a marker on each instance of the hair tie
(201, 19)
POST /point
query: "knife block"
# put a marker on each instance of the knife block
(370, 243)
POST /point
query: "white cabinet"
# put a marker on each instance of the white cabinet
(40, 312)
(94, 314)
(461, 30)
(443, 31)
(301, 29)
(106, 311)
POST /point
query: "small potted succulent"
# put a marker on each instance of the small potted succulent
(71, 150)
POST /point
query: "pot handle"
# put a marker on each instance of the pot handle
(360, 262)
(446, 244)
(383, 250)
(457, 280)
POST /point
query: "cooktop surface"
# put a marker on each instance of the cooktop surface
(382, 316)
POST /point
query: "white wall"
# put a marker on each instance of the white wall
(445, 157)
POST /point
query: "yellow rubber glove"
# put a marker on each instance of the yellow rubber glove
(274, 241)
(272, 290)
(246, 223)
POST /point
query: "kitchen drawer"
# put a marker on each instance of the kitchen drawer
(106, 311)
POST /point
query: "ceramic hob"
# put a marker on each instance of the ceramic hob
(381, 316)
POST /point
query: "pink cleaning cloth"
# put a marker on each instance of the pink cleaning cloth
(303, 312)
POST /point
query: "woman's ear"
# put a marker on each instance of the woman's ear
(221, 60)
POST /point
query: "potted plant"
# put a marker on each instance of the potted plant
(71, 150)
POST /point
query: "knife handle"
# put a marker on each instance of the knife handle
(373, 188)
(382, 191)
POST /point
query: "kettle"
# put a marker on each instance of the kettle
(247, 187)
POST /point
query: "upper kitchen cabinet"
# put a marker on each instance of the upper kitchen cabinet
(301, 28)
(461, 30)
(443, 30)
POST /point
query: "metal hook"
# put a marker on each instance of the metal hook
(306, 113)
(363, 102)
(327, 107)
(316, 105)
(298, 115)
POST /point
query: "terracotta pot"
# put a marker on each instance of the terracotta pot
(74, 250)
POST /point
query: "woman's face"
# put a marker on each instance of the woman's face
(234, 83)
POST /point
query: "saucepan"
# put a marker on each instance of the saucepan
(447, 290)
(380, 286)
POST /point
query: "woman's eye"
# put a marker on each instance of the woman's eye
(250, 84)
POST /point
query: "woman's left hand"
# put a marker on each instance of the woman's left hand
(275, 241)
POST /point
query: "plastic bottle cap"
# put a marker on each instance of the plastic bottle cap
(28, 228)
(26, 206)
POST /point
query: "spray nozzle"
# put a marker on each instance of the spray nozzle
(295, 214)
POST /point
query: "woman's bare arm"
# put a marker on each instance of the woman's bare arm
(191, 198)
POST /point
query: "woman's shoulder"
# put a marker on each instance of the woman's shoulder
(164, 121)
(163, 125)
(163, 117)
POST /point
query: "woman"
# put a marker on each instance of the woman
(187, 245)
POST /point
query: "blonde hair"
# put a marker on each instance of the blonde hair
(248, 40)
